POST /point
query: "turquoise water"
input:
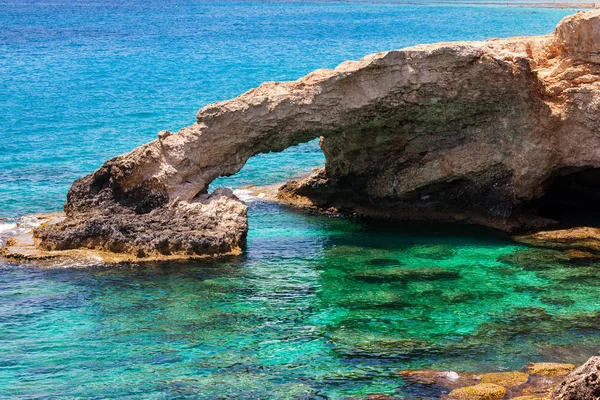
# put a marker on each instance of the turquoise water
(317, 307)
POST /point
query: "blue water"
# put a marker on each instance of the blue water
(83, 82)
(316, 307)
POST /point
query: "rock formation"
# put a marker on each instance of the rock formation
(213, 224)
(469, 131)
(537, 381)
(581, 384)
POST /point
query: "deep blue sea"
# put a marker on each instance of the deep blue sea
(304, 313)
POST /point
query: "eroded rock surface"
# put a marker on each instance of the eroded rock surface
(581, 384)
(209, 225)
(584, 239)
(466, 131)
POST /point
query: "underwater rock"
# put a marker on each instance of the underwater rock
(582, 383)
(432, 251)
(557, 300)
(366, 299)
(356, 343)
(445, 379)
(536, 259)
(506, 379)
(405, 274)
(383, 262)
(466, 131)
(482, 391)
(546, 368)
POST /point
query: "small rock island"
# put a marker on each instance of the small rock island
(470, 132)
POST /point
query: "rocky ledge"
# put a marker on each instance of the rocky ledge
(537, 381)
(470, 131)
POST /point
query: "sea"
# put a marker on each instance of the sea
(316, 307)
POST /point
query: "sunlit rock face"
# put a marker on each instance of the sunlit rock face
(583, 383)
(465, 131)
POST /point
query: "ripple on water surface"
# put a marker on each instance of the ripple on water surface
(337, 312)
(317, 307)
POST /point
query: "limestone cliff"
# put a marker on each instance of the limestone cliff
(467, 131)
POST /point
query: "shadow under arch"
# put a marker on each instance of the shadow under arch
(571, 197)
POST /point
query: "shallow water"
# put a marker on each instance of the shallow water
(317, 307)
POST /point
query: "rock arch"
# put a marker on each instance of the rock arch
(457, 131)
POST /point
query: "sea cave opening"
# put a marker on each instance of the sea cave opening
(572, 197)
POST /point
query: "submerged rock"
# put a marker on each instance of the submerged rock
(482, 391)
(506, 379)
(546, 368)
(536, 259)
(405, 274)
(445, 379)
(468, 131)
(355, 343)
(432, 251)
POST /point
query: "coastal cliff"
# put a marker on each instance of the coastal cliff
(469, 131)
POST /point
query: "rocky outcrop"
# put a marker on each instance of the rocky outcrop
(541, 381)
(482, 391)
(456, 131)
(480, 130)
(536, 384)
(581, 384)
(213, 224)
(583, 238)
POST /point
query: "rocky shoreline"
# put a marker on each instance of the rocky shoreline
(24, 248)
(489, 133)
(536, 381)
(500, 133)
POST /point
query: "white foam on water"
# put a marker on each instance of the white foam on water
(7, 226)
(17, 227)
(28, 222)
(244, 195)
(7, 229)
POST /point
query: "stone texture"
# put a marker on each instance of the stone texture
(482, 391)
(209, 225)
(474, 143)
(583, 238)
(445, 379)
(506, 379)
(547, 368)
(467, 131)
(539, 385)
(581, 384)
